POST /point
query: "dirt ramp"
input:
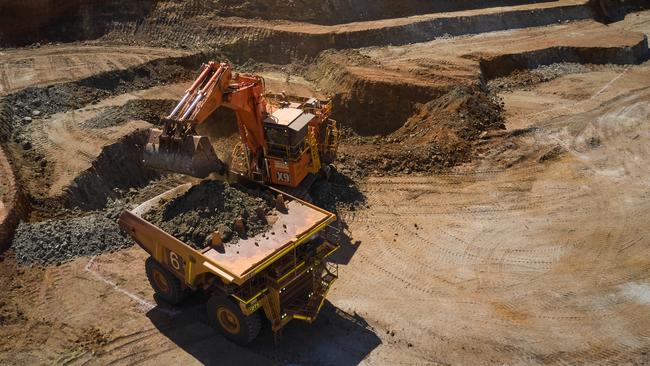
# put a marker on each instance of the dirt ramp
(60, 240)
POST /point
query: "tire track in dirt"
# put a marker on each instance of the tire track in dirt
(579, 265)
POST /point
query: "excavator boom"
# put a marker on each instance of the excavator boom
(176, 148)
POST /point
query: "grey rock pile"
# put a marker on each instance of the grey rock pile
(60, 240)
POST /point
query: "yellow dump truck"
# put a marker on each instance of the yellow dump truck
(285, 276)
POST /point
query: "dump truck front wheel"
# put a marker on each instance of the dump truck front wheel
(225, 315)
(167, 286)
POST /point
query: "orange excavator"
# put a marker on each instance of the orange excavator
(283, 143)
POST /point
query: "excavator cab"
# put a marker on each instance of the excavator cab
(286, 149)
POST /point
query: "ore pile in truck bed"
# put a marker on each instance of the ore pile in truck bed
(213, 206)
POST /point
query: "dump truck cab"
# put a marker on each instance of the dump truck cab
(283, 273)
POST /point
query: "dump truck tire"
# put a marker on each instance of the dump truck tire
(167, 286)
(225, 315)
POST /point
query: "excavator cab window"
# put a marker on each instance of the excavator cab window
(286, 131)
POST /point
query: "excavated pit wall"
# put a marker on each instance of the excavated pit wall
(118, 167)
(379, 107)
(194, 29)
(347, 11)
(370, 107)
(13, 202)
(608, 11)
(504, 65)
(26, 22)
(277, 46)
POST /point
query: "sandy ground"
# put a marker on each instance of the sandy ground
(539, 263)
(50, 64)
(535, 253)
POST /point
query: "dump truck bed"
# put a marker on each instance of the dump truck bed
(240, 260)
(241, 257)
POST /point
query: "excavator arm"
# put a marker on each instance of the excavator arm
(177, 148)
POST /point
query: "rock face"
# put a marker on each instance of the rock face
(213, 206)
(60, 240)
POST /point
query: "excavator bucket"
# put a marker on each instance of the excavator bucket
(189, 155)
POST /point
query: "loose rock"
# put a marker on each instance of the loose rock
(210, 206)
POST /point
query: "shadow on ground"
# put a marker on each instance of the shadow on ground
(336, 338)
(340, 194)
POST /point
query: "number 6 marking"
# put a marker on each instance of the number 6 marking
(173, 259)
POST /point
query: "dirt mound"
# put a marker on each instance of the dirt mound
(70, 233)
(210, 206)
(438, 136)
(464, 112)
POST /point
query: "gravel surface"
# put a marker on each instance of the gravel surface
(210, 206)
(61, 240)
(74, 232)
(544, 73)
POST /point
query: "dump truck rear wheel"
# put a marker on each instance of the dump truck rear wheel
(167, 286)
(225, 315)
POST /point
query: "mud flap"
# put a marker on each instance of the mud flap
(190, 155)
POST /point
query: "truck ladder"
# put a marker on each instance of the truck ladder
(314, 167)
